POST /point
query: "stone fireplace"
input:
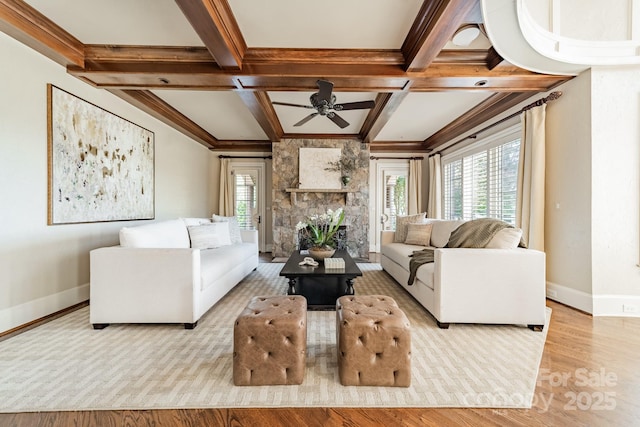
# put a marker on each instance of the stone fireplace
(290, 208)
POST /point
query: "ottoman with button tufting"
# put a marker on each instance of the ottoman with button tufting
(373, 342)
(270, 341)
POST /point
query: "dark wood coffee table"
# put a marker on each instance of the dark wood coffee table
(320, 287)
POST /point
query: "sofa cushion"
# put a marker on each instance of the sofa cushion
(234, 227)
(507, 238)
(401, 225)
(418, 234)
(209, 236)
(400, 254)
(164, 234)
(215, 263)
(442, 230)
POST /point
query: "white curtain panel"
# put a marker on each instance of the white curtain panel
(434, 207)
(531, 177)
(415, 186)
(225, 203)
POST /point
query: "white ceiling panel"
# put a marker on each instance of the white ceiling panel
(422, 114)
(222, 114)
(127, 22)
(355, 24)
(288, 116)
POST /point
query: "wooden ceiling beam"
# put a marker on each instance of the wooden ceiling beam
(260, 106)
(143, 67)
(158, 108)
(396, 147)
(436, 22)
(218, 29)
(379, 116)
(30, 27)
(481, 113)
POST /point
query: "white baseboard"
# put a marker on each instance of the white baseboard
(598, 305)
(571, 297)
(616, 305)
(18, 315)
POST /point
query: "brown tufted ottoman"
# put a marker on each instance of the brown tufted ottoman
(373, 340)
(270, 341)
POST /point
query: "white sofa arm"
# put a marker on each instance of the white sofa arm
(386, 237)
(128, 286)
(489, 285)
(249, 236)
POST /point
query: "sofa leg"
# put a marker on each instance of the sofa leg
(191, 325)
(442, 325)
(99, 326)
(536, 328)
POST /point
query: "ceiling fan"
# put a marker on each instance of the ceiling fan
(324, 102)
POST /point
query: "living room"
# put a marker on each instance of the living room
(592, 202)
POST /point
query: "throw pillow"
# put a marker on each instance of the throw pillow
(209, 236)
(507, 238)
(196, 221)
(418, 234)
(234, 227)
(401, 225)
(163, 234)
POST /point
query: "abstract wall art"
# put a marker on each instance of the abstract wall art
(101, 166)
(313, 166)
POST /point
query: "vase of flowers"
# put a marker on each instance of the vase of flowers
(320, 230)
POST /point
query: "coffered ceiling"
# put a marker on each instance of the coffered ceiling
(212, 68)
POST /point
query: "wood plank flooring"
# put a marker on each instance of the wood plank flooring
(589, 376)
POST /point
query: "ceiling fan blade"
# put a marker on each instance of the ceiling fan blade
(338, 120)
(361, 105)
(291, 105)
(306, 119)
(325, 88)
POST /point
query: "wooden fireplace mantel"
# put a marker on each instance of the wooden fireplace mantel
(294, 192)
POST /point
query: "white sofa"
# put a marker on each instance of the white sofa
(469, 285)
(155, 276)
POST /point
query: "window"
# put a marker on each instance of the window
(246, 199)
(481, 182)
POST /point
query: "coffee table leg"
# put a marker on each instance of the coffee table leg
(292, 285)
(350, 290)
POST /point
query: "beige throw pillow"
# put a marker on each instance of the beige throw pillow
(418, 234)
(401, 225)
(209, 236)
(507, 238)
(234, 227)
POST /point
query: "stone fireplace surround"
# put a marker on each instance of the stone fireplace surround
(287, 214)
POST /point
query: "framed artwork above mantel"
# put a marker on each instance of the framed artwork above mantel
(313, 166)
(100, 166)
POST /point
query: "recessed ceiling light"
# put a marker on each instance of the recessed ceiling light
(465, 35)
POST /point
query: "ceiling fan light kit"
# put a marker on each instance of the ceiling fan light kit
(324, 102)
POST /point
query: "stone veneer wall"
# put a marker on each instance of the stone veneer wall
(286, 216)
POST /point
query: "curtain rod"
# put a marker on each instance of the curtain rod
(244, 157)
(551, 97)
(395, 158)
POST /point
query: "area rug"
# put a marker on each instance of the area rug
(66, 365)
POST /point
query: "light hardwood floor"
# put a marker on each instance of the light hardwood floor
(589, 376)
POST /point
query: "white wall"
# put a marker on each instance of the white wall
(568, 189)
(616, 187)
(46, 268)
